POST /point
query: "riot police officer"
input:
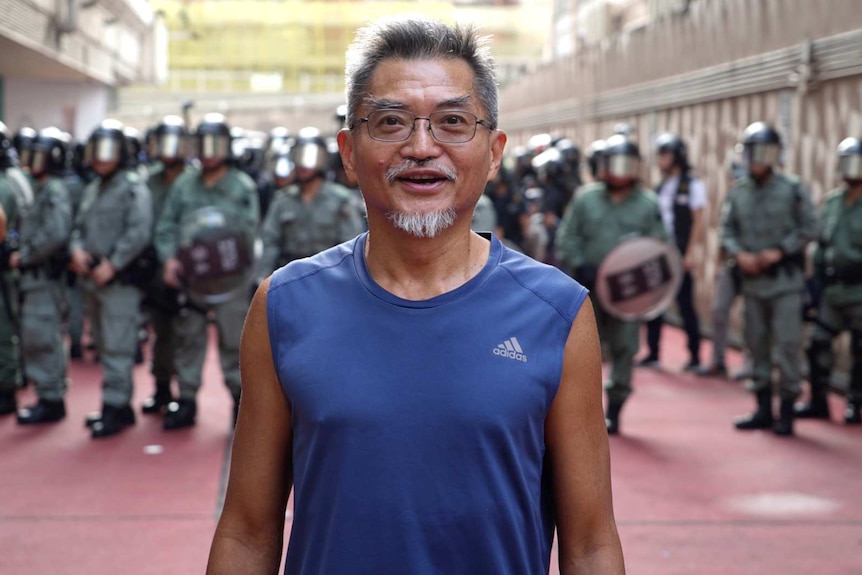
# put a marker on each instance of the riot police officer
(767, 221)
(311, 215)
(682, 198)
(112, 228)
(168, 146)
(599, 217)
(594, 163)
(23, 142)
(217, 185)
(10, 374)
(42, 259)
(838, 265)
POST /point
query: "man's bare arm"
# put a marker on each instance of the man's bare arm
(250, 532)
(577, 443)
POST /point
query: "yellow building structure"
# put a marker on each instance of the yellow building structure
(253, 58)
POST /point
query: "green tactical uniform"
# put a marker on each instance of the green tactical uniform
(235, 192)
(114, 222)
(592, 226)
(295, 228)
(778, 215)
(838, 260)
(44, 237)
(10, 374)
(159, 302)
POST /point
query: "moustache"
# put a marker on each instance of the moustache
(395, 172)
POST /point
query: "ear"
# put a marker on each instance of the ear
(345, 149)
(498, 144)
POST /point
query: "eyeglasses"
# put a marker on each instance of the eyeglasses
(447, 127)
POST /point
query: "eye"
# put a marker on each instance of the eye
(387, 119)
(453, 119)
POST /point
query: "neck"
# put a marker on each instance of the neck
(213, 175)
(422, 268)
(310, 188)
(172, 171)
(854, 192)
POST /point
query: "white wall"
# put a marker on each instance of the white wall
(71, 106)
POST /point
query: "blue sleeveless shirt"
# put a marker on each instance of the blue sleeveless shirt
(418, 426)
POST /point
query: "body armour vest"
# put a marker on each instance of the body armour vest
(418, 426)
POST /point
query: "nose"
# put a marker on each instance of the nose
(421, 144)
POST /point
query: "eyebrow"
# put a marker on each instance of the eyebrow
(375, 104)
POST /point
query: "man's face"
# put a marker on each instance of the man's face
(212, 163)
(665, 161)
(104, 168)
(759, 171)
(420, 175)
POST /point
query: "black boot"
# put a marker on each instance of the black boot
(612, 417)
(180, 414)
(160, 399)
(127, 415)
(784, 425)
(111, 421)
(8, 403)
(853, 413)
(762, 416)
(817, 406)
(44, 411)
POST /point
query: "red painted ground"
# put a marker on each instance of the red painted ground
(692, 495)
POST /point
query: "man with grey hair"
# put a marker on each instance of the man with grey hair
(433, 398)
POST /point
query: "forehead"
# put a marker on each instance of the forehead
(431, 83)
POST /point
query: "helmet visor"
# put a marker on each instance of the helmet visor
(310, 156)
(850, 167)
(283, 167)
(38, 163)
(106, 150)
(622, 166)
(214, 146)
(170, 146)
(762, 154)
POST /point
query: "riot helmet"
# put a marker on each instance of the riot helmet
(670, 143)
(281, 166)
(213, 138)
(170, 140)
(548, 164)
(309, 154)
(134, 147)
(761, 145)
(249, 152)
(278, 137)
(23, 141)
(570, 153)
(107, 145)
(341, 115)
(595, 159)
(7, 151)
(850, 159)
(538, 143)
(622, 159)
(50, 153)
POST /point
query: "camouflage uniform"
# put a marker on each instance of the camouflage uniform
(295, 228)
(592, 226)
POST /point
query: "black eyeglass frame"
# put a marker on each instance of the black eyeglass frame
(366, 120)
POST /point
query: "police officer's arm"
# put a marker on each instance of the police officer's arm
(167, 224)
(577, 448)
(806, 230)
(80, 258)
(731, 240)
(57, 228)
(249, 535)
(270, 236)
(139, 226)
(568, 239)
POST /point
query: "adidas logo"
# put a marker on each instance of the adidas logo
(511, 349)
